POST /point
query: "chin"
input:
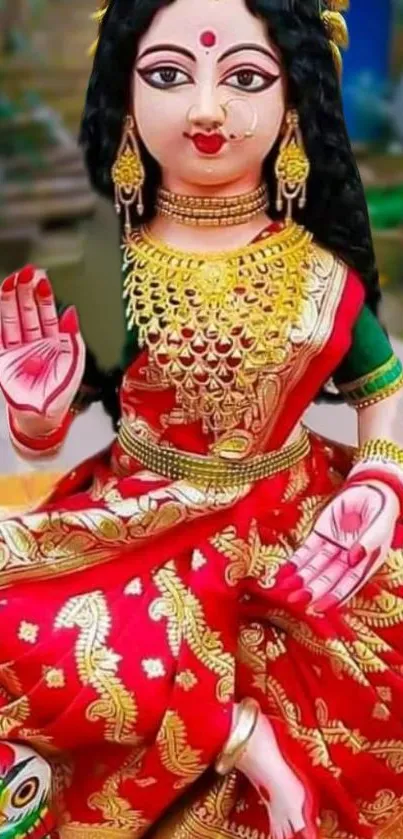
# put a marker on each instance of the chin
(212, 173)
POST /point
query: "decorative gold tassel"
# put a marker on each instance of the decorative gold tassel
(128, 174)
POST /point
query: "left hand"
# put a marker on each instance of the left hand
(347, 546)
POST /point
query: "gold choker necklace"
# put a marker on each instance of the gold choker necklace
(212, 212)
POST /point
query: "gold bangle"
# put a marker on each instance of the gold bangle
(380, 451)
(238, 740)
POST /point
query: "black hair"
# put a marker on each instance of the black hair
(336, 211)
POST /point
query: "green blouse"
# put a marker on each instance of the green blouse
(370, 371)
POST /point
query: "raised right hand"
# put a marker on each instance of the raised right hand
(42, 357)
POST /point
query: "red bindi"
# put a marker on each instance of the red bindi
(208, 39)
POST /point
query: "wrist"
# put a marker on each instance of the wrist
(380, 461)
(32, 444)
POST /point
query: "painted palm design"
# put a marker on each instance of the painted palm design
(25, 783)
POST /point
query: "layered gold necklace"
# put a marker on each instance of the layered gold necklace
(216, 211)
(215, 323)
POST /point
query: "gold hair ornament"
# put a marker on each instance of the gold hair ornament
(98, 17)
(336, 28)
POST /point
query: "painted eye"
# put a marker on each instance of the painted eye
(25, 793)
(165, 77)
(250, 80)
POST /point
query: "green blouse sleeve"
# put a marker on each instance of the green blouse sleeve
(370, 371)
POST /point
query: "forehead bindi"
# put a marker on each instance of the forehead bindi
(208, 38)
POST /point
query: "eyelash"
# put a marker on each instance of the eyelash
(267, 78)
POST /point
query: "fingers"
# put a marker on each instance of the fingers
(31, 329)
(289, 576)
(351, 582)
(321, 573)
(11, 335)
(69, 322)
(328, 581)
(47, 308)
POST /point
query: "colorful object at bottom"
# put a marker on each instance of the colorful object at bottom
(25, 783)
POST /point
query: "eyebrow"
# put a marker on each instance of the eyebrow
(250, 47)
(170, 48)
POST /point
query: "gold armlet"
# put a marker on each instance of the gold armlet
(248, 715)
(380, 451)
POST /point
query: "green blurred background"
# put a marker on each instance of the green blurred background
(48, 213)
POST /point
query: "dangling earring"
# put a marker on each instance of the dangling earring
(128, 174)
(292, 167)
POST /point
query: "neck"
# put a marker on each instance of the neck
(206, 238)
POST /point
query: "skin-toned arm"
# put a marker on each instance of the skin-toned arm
(379, 420)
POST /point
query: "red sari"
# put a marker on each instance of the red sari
(136, 609)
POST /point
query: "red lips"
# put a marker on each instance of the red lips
(208, 143)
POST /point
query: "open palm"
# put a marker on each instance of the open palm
(347, 546)
(42, 357)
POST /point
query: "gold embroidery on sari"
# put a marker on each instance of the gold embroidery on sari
(310, 509)
(13, 716)
(330, 828)
(97, 665)
(80, 830)
(115, 809)
(209, 816)
(382, 611)
(391, 573)
(176, 754)
(43, 545)
(316, 740)
(341, 653)
(251, 653)
(186, 622)
(298, 481)
(250, 558)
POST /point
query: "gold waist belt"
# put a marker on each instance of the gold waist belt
(207, 470)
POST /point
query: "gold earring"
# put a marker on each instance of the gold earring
(292, 167)
(128, 174)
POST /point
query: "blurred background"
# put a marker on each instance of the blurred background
(50, 216)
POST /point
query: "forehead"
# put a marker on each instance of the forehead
(183, 22)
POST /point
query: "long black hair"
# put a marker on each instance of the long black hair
(336, 210)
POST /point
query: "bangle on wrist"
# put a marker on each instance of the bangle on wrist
(380, 451)
(46, 443)
(248, 715)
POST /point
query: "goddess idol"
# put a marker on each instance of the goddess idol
(201, 627)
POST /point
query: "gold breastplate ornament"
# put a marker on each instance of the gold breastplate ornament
(217, 325)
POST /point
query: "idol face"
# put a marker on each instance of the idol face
(208, 95)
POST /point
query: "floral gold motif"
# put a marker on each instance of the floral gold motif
(176, 754)
(186, 620)
(97, 665)
(251, 558)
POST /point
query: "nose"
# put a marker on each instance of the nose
(207, 113)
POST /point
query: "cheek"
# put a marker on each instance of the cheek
(159, 119)
(271, 113)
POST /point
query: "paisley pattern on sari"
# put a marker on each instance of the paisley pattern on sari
(137, 609)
